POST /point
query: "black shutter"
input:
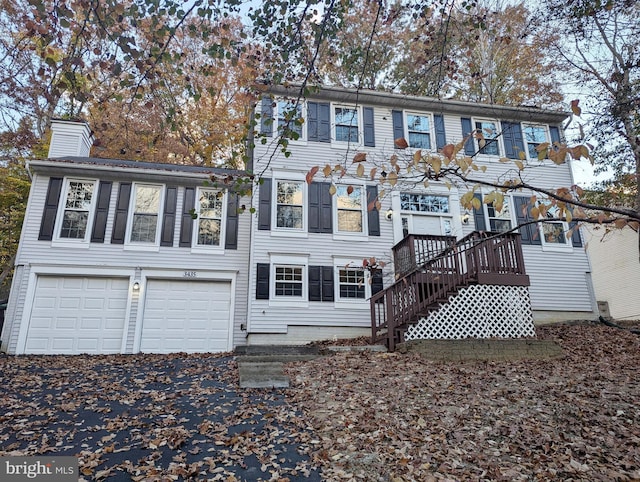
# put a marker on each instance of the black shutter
(441, 136)
(320, 208)
(321, 283)
(262, 281)
(373, 214)
(398, 125)
(529, 233)
(264, 205)
(266, 116)
(186, 221)
(469, 147)
(169, 217)
(50, 209)
(312, 121)
(231, 235)
(315, 283)
(377, 283)
(512, 138)
(369, 131)
(478, 215)
(122, 210)
(324, 122)
(327, 283)
(102, 210)
(576, 239)
(313, 193)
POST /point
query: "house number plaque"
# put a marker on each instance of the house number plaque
(190, 274)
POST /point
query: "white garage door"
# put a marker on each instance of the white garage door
(73, 315)
(186, 316)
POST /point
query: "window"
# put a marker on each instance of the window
(419, 131)
(78, 201)
(499, 221)
(351, 283)
(488, 130)
(290, 205)
(425, 203)
(146, 210)
(350, 204)
(210, 209)
(534, 136)
(425, 214)
(290, 116)
(554, 232)
(346, 124)
(289, 281)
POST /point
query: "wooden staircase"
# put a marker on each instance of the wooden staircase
(430, 269)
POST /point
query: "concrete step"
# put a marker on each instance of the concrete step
(262, 375)
(258, 350)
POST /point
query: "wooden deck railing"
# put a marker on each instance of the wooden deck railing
(429, 269)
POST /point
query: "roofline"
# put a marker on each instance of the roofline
(119, 168)
(403, 101)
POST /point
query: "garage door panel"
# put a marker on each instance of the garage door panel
(186, 316)
(74, 315)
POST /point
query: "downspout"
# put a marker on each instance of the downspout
(250, 165)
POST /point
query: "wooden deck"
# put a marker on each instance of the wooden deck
(429, 269)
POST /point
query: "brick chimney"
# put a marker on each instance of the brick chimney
(70, 139)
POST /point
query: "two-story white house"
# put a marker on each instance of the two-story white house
(120, 256)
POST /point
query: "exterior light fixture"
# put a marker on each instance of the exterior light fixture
(389, 215)
(136, 286)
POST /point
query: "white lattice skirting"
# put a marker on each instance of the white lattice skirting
(479, 311)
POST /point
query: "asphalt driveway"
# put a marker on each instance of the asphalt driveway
(151, 417)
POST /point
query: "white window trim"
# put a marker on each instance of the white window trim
(343, 144)
(137, 245)
(432, 134)
(289, 232)
(348, 235)
(200, 248)
(85, 242)
(524, 137)
(548, 246)
(276, 118)
(501, 151)
(358, 303)
(485, 210)
(289, 260)
(454, 214)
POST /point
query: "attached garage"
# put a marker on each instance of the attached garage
(186, 316)
(74, 314)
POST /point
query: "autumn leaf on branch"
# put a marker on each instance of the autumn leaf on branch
(575, 108)
(311, 174)
(401, 143)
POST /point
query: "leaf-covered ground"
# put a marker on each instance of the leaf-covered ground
(349, 416)
(401, 417)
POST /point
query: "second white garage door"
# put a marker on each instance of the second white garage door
(186, 316)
